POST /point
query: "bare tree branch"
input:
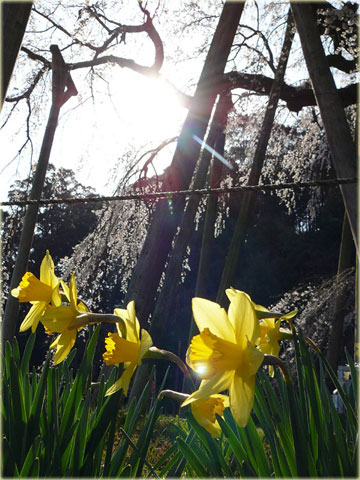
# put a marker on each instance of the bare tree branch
(295, 97)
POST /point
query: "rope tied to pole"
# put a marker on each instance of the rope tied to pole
(331, 182)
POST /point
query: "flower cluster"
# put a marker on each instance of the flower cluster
(230, 349)
(226, 354)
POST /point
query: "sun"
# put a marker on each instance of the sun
(148, 108)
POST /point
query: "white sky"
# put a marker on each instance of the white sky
(94, 138)
(91, 139)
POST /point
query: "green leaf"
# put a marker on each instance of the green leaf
(19, 417)
(8, 459)
(37, 404)
(234, 441)
(31, 458)
(81, 436)
(27, 353)
(177, 468)
(209, 457)
(16, 351)
(191, 458)
(103, 417)
(342, 445)
(262, 465)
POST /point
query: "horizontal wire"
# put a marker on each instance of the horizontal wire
(188, 193)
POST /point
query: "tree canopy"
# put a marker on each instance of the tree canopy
(293, 236)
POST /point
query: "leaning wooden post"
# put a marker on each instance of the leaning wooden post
(248, 199)
(337, 130)
(61, 79)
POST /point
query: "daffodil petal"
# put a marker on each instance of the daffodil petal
(65, 342)
(134, 322)
(119, 350)
(124, 381)
(242, 316)
(213, 428)
(253, 358)
(210, 315)
(242, 398)
(47, 274)
(122, 313)
(58, 319)
(33, 316)
(131, 322)
(73, 291)
(55, 297)
(66, 289)
(146, 343)
(115, 387)
(216, 384)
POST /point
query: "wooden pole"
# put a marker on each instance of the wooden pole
(248, 199)
(342, 147)
(60, 80)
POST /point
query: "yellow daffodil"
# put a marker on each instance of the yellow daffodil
(204, 411)
(271, 334)
(224, 354)
(40, 293)
(60, 319)
(129, 350)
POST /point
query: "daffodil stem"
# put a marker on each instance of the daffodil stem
(89, 318)
(155, 352)
(312, 344)
(272, 360)
(179, 396)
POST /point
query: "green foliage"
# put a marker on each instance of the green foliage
(58, 425)
(59, 227)
(294, 430)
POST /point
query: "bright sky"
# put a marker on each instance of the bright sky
(130, 115)
(92, 139)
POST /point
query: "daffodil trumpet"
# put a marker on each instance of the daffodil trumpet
(204, 410)
(90, 318)
(127, 347)
(39, 292)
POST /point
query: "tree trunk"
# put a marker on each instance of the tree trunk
(216, 175)
(60, 80)
(154, 254)
(157, 245)
(160, 316)
(337, 130)
(248, 199)
(203, 274)
(15, 16)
